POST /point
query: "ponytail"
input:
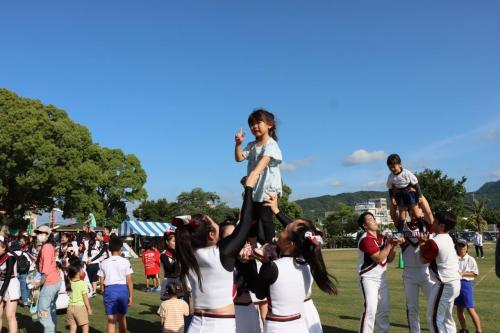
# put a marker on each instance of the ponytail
(307, 246)
(191, 234)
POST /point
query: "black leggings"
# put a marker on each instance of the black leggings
(479, 249)
(264, 227)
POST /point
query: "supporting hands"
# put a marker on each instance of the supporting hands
(272, 202)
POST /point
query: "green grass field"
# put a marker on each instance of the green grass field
(339, 314)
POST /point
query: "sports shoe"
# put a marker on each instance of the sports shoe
(157, 289)
(464, 330)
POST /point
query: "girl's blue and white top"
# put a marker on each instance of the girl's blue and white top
(270, 179)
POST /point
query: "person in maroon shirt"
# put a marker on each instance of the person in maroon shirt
(374, 252)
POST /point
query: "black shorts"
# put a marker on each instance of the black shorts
(92, 270)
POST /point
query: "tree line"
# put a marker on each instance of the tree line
(49, 161)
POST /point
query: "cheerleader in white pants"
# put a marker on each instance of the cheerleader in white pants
(208, 264)
(286, 281)
(440, 253)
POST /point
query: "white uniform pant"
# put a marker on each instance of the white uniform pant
(414, 280)
(212, 325)
(311, 317)
(376, 305)
(247, 319)
(293, 326)
(440, 307)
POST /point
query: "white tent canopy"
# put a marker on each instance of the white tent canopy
(143, 228)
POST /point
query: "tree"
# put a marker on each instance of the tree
(478, 208)
(442, 192)
(492, 216)
(43, 158)
(342, 221)
(290, 208)
(121, 180)
(160, 210)
(197, 201)
(49, 161)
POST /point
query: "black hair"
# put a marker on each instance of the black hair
(71, 272)
(361, 219)
(224, 225)
(75, 261)
(115, 244)
(174, 289)
(190, 237)
(108, 228)
(265, 116)
(92, 242)
(447, 218)
(393, 159)
(311, 252)
(166, 237)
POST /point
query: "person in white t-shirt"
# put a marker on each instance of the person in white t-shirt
(468, 271)
(439, 252)
(478, 244)
(404, 190)
(115, 274)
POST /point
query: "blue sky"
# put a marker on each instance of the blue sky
(349, 81)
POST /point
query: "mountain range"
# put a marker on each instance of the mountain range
(316, 207)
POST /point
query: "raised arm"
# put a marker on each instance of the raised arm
(272, 202)
(230, 246)
(238, 152)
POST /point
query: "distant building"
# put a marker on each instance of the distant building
(378, 207)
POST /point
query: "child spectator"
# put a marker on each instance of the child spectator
(115, 276)
(404, 189)
(468, 270)
(173, 310)
(264, 157)
(79, 306)
(151, 260)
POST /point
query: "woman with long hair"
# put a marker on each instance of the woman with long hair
(208, 264)
(287, 281)
(10, 290)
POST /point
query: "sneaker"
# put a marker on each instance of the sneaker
(463, 330)
(145, 290)
(157, 289)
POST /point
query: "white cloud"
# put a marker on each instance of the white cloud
(297, 164)
(496, 173)
(335, 183)
(375, 185)
(492, 134)
(362, 156)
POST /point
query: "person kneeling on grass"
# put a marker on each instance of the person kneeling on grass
(465, 300)
(115, 276)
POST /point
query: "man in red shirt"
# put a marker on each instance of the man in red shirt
(151, 260)
(374, 252)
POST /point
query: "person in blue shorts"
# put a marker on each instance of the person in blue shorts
(115, 276)
(468, 270)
